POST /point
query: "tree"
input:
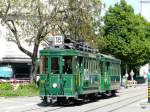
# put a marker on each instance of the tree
(81, 19)
(31, 20)
(126, 34)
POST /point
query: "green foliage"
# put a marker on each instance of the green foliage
(81, 19)
(100, 44)
(6, 90)
(27, 90)
(126, 34)
(5, 86)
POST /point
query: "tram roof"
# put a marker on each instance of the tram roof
(108, 58)
(55, 51)
(66, 52)
(72, 52)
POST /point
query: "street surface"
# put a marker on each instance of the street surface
(127, 100)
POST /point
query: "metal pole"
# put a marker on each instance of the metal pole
(148, 90)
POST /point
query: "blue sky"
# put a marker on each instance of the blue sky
(134, 3)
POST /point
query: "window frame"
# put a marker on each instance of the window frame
(50, 68)
(43, 69)
(72, 62)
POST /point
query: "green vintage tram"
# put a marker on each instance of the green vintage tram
(68, 74)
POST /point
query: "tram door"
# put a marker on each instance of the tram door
(55, 75)
(61, 75)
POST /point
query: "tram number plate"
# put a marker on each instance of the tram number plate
(58, 40)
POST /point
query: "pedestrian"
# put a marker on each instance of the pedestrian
(132, 74)
(132, 79)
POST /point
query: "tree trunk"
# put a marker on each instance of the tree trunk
(34, 62)
(34, 69)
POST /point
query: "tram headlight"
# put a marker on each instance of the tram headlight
(54, 85)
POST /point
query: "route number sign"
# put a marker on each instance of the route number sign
(58, 40)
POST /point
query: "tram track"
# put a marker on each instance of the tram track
(119, 107)
(52, 108)
(125, 105)
(94, 109)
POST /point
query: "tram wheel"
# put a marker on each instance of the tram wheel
(113, 93)
(71, 101)
(45, 99)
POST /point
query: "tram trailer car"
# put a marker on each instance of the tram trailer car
(68, 75)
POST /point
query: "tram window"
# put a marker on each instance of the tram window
(84, 63)
(55, 65)
(96, 67)
(85, 66)
(113, 69)
(117, 70)
(43, 65)
(107, 64)
(89, 68)
(93, 67)
(67, 68)
(101, 68)
(80, 61)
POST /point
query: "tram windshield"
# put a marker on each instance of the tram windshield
(55, 65)
(67, 67)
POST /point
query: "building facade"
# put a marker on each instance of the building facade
(145, 9)
(10, 55)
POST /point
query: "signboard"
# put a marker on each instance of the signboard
(55, 40)
(58, 40)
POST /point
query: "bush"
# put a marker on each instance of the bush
(5, 86)
(23, 90)
(28, 90)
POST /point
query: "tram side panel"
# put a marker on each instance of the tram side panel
(110, 74)
(91, 76)
(115, 76)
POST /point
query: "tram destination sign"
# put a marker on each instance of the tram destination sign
(58, 40)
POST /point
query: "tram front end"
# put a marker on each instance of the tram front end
(57, 79)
